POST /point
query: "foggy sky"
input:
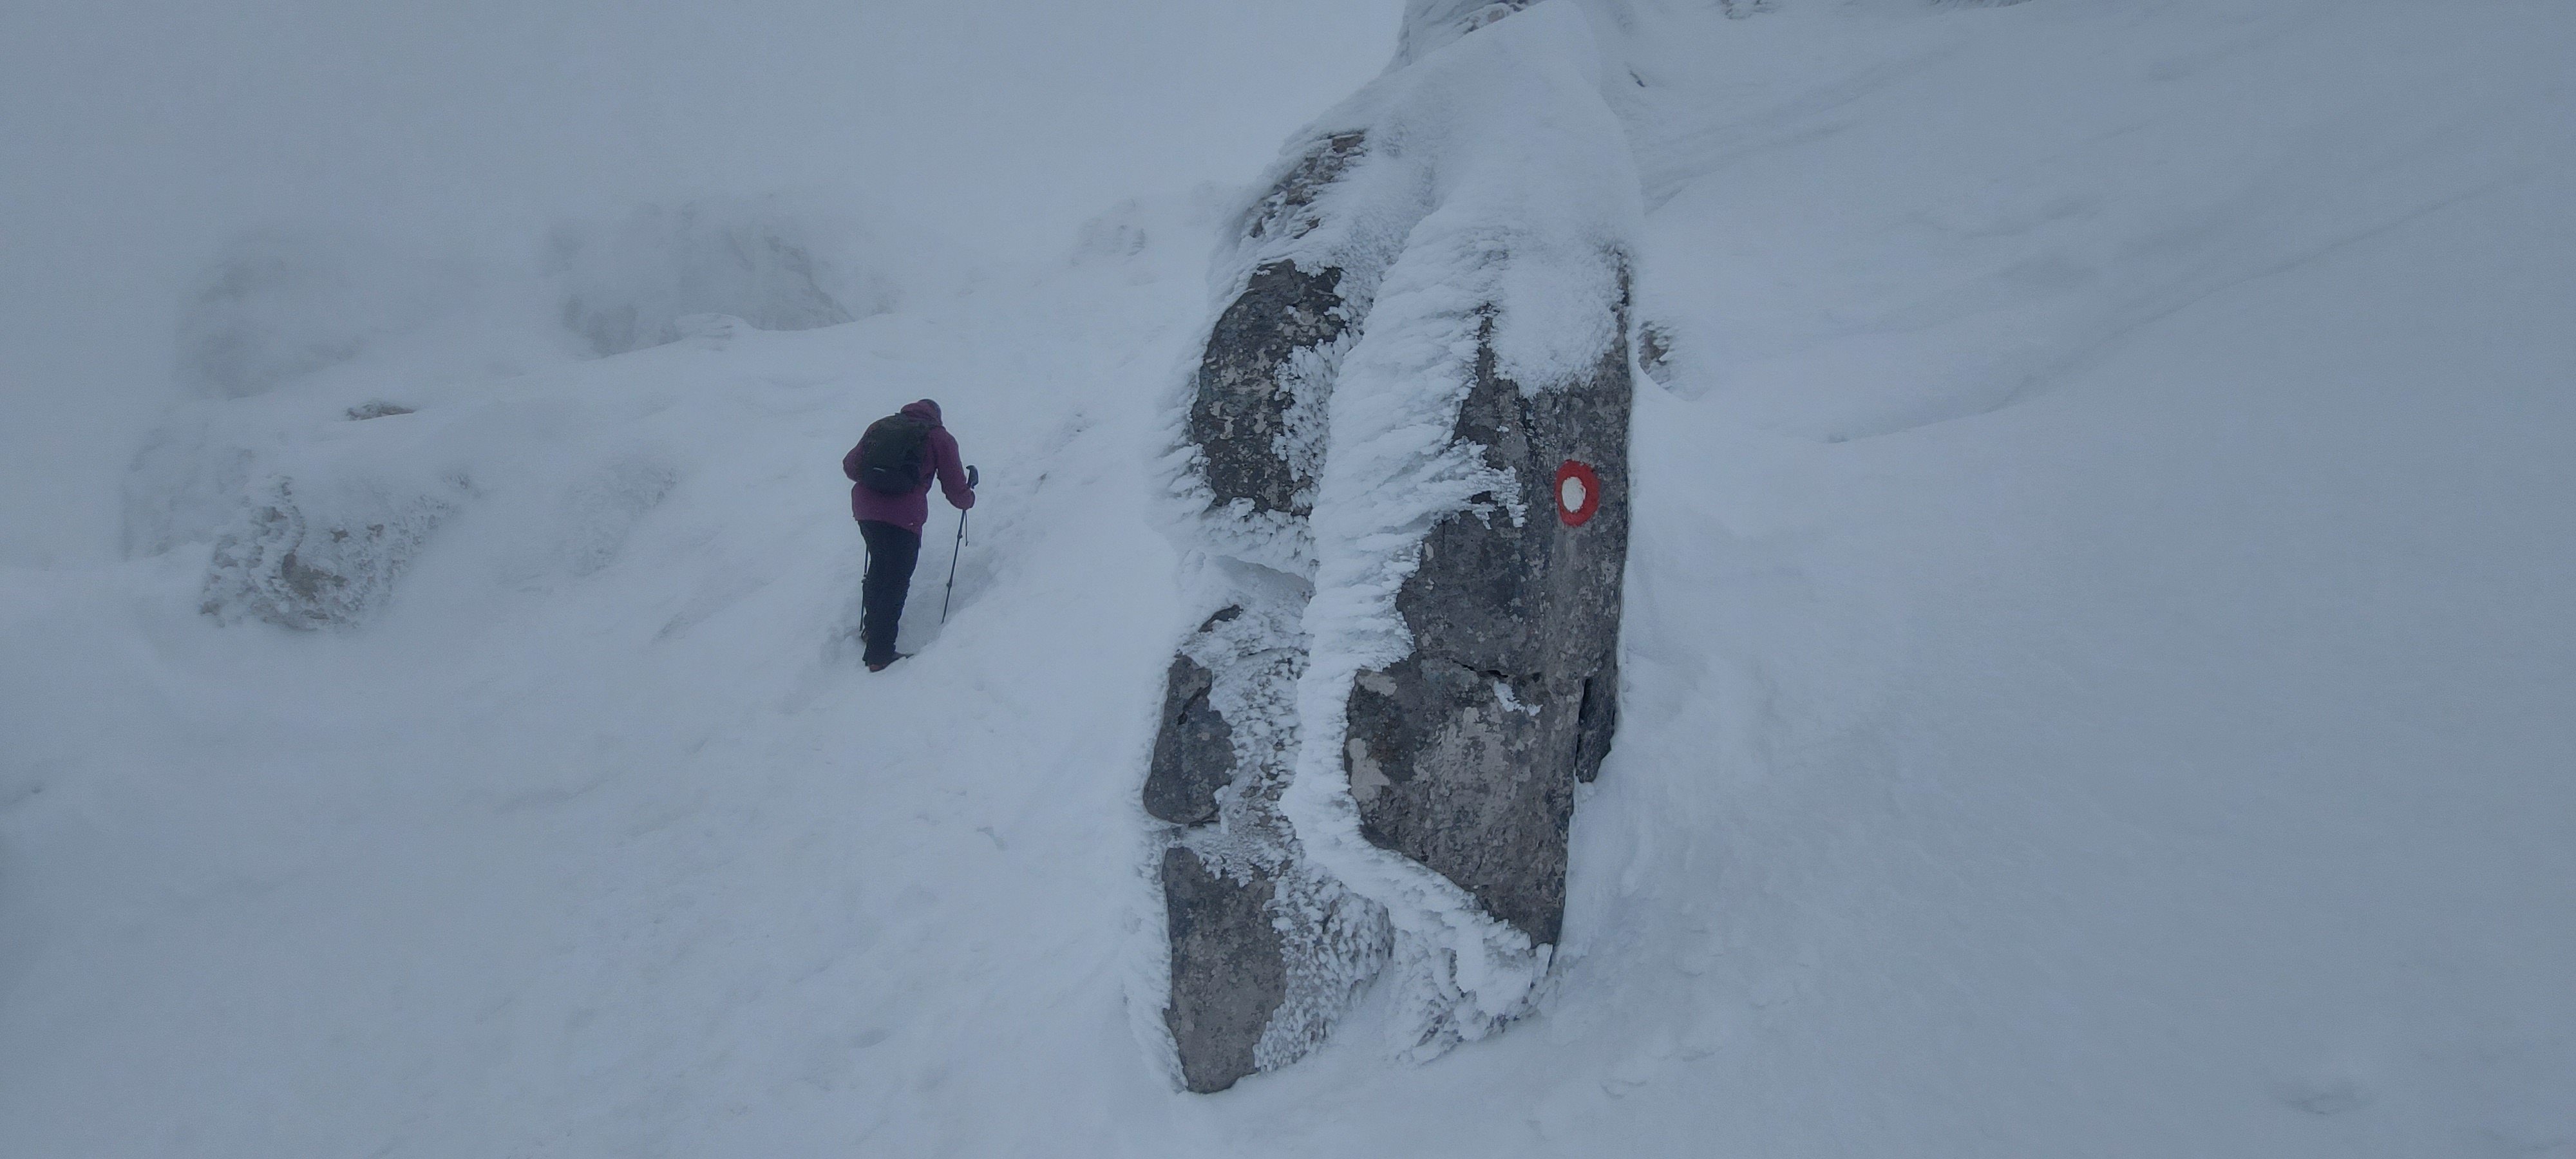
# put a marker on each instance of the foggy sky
(135, 135)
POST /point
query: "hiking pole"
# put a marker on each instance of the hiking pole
(953, 553)
(952, 568)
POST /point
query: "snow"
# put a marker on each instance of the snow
(2096, 661)
(508, 843)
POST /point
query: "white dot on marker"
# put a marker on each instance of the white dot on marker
(1570, 493)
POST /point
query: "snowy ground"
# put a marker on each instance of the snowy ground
(2097, 666)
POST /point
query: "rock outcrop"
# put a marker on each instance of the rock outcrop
(1369, 747)
(298, 568)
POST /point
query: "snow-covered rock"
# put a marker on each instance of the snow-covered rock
(1424, 320)
(301, 564)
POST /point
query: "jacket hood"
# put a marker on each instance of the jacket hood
(925, 410)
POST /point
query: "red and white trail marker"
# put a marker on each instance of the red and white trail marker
(1578, 492)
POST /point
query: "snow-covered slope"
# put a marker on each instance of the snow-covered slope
(601, 790)
(2097, 660)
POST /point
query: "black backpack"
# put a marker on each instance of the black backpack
(891, 453)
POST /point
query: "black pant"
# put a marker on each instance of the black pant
(891, 553)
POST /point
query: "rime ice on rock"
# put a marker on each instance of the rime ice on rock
(1264, 951)
(1369, 746)
(298, 568)
(1256, 417)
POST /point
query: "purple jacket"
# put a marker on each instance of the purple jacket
(911, 510)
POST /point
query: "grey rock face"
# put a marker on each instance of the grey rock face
(1228, 975)
(1464, 755)
(1193, 751)
(1251, 417)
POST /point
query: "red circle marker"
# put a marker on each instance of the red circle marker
(1578, 493)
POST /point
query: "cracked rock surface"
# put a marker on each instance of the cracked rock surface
(1464, 755)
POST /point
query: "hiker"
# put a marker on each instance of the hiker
(890, 472)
